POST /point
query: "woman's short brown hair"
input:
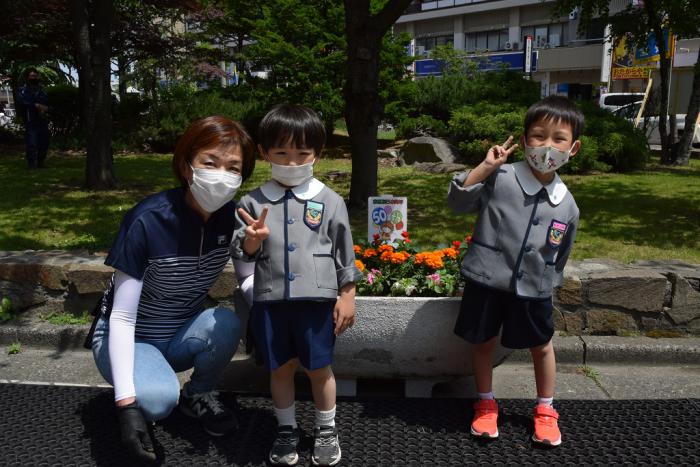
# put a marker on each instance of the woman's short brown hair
(210, 133)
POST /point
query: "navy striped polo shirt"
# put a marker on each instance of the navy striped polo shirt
(166, 244)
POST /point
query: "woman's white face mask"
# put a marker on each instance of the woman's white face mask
(212, 188)
(546, 159)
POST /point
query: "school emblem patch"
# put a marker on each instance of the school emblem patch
(555, 233)
(313, 214)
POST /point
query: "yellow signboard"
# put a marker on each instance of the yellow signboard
(632, 72)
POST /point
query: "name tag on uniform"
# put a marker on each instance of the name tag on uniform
(313, 214)
(555, 233)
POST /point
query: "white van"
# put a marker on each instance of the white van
(630, 112)
(614, 100)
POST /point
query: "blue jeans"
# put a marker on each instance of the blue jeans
(207, 342)
(37, 140)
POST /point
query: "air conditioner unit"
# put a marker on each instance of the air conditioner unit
(516, 46)
(508, 46)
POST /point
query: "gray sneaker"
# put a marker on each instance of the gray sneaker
(326, 446)
(284, 447)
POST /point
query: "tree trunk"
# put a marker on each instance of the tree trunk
(665, 72)
(363, 108)
(91, 28)
(682, 155)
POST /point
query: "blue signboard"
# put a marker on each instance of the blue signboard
(510, 61)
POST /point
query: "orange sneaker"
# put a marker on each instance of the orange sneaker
(546, 428)
(485, 420)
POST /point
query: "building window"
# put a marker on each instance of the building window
(487, 40)
(427, 44)
(545, 35)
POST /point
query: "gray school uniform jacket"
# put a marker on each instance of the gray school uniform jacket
(524, 232)
(309, 254)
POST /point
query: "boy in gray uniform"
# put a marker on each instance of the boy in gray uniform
(522, 240)
(298, 233)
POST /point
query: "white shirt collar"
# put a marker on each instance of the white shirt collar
(556, 189)
(273, 191)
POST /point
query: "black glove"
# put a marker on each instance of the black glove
(135, 437)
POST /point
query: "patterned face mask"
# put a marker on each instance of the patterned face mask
(546, 159)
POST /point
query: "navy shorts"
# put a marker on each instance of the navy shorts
(292, 329)
(526, 322)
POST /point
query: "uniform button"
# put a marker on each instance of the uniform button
(291, 276)
(291, 248)
(535, 221)
(528, 249)
(290, 221)
(289, 194)
(519, 275)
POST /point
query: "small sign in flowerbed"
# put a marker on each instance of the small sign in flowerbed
(400, 270)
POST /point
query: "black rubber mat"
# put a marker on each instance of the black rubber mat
(51, 425)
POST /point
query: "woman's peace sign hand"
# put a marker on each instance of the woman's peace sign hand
(498, 155)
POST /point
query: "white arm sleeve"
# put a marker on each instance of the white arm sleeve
(122, 325)
(244, 274)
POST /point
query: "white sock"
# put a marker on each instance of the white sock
(325, 418)
(545, 400)
(286, 416)
(485, 395)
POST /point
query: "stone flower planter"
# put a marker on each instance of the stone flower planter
(407, 338)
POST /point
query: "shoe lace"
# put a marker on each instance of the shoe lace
(325, 439)
(285, 438)
(210, 399)
(546, 420)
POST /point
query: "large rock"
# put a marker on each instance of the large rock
(22, 295)
(570, 292)
(439, 167)
(634, 289)
(600, 321)
(90, 275)
(45, 268)
(428, 149)
(685, 304)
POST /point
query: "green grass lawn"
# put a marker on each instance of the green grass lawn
(651, 214)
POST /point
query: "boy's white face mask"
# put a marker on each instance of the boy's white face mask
(292, 175)
(213, 188)
(546, 159)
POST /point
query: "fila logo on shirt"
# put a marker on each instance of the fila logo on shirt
(221, 239)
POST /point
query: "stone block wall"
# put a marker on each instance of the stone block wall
(598, 297)
(51, 281)
(601, 297)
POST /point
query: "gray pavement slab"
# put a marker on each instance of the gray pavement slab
(649, 382)
(512, 379)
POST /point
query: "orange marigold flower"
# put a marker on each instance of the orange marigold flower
(360, 265)
(450, 253)
(400, 257)
(357, 249)
(386, 256)
(369, 252)
(385, 247)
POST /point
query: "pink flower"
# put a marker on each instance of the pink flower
(370, 278)
(434, 278)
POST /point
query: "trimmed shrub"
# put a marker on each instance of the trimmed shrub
(423, 125)
(179, 106)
